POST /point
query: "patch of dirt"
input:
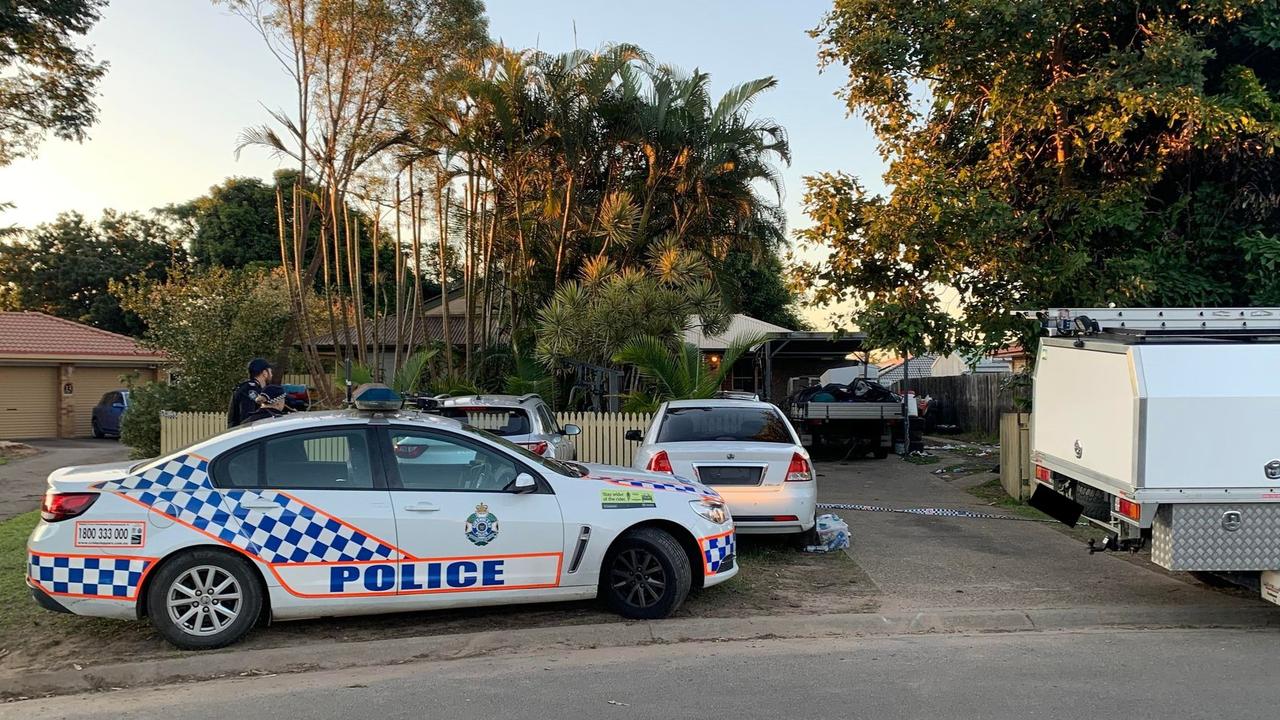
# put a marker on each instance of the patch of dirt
(10, 451)
(774, 580)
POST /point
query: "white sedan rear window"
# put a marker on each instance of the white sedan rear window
(707, 424)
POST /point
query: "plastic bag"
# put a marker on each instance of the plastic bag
(833, 534)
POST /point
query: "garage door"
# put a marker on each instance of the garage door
(91, 384)
(28, 402)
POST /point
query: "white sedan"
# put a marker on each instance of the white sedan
(356, 512)
(746, 450)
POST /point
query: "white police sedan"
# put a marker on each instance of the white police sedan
(356, 512)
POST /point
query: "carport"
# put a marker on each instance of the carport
(805, 354)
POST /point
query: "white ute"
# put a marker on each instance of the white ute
(746, 450)
(357, 512)
(1160, 425)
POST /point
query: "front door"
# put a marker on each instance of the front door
(460, 523)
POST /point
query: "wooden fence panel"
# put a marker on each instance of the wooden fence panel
(1015, 455)
(973, 403)
(602, 440)
(603, 435)
(178, 430)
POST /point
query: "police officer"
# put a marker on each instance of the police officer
(248, 395)
(272, 404)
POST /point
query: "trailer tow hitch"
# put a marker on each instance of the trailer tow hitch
(1115, 544)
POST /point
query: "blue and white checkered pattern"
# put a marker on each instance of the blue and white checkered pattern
(299, 533)
(294, 534)
(185, 472)
(716, 550)
(654, 485)
(90, 576)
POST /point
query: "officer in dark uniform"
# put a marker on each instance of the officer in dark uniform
(248, 396)
(272, 405)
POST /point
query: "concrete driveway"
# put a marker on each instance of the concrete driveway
(22, 482)
(927, 563)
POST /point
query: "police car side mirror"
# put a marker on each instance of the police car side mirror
(524, 483)
(634, 436)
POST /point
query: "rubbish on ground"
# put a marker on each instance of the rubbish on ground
(833, 534)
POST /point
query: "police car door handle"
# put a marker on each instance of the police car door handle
(259, 505)
(422, 507)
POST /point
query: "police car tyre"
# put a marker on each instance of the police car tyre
(204, 599)
(646, 575)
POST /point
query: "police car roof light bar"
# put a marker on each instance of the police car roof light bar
(376, 396)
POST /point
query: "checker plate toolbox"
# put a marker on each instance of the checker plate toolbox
(1172, 416)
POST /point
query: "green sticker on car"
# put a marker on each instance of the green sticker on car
(622, 499)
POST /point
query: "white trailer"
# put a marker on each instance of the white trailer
(1163, 426)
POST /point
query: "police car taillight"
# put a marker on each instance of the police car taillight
(61, 506)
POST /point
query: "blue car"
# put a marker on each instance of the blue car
(108, 412)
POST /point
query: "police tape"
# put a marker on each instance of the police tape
(928, 511)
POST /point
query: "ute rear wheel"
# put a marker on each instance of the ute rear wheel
(646, 575)
(204, 599)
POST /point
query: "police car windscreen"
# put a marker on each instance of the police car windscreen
(499, 421)
(711, 424)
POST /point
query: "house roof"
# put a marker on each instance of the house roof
(430, 328)
(921, 366)
(37, 335)
(739, 326)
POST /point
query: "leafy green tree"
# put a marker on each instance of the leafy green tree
(47, 84)
(64, 268)
(755, 284)
(1073, 152)
(677, 373)
(210, 323)
(234, 225)
(591, 320)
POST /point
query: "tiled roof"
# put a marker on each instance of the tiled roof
(40, 335)
(430, 328)
(920, 366)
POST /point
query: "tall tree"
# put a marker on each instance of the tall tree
(64, 268)
(1073, 152)
(47, 83)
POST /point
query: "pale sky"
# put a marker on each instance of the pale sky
(186, 77)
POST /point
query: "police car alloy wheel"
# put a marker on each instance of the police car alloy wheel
(646, 575)
(204, 599)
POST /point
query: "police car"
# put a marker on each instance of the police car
(359, 511)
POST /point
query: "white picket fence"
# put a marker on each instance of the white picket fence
(602, 440)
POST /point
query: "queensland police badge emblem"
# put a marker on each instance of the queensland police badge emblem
(481, 526)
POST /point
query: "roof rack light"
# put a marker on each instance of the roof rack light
(376, 396)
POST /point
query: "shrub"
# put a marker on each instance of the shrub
(140, 428)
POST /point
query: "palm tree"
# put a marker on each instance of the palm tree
(679, 373)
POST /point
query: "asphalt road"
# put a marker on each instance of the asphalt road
(1150, 674)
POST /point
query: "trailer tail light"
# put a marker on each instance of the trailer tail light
(799, 470)
(1043, 474)
(61, 506)
(660, 463)
(538, 448)
(1129, 509)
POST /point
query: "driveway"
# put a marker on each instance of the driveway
(22, 482)
(928, 562)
